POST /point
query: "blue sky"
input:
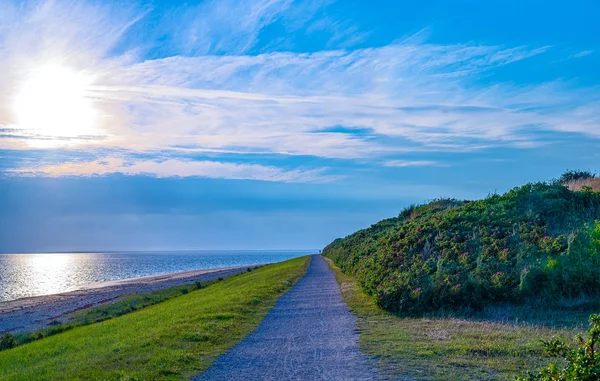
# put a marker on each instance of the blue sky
(263, 124)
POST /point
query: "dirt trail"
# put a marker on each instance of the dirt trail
(309, 335)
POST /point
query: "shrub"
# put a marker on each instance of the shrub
(595, 239)
(7, 341)
(535, 242)
(573, 175)
(581, 363)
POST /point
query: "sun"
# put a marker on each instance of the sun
(53, 103)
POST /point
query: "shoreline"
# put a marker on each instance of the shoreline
(150, 278)
(30, 313)
(125, 281)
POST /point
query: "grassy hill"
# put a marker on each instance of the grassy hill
(536, 244)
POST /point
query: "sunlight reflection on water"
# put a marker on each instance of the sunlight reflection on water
(24, 275)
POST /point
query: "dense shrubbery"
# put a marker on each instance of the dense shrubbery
(581, 363)
(537, 243)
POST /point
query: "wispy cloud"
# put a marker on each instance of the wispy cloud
(240, 23)
(214, 95)
(411, 163)
(177, 168)
(583, 53)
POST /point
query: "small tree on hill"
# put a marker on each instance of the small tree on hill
(572, 175)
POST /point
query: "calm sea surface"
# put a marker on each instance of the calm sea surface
(23, 275)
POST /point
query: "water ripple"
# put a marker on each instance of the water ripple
(25, 275)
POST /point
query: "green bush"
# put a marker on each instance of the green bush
(579, 363)
(595, 239)
(7, 341)
(536, 242)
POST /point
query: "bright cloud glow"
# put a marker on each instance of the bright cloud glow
(53, 103)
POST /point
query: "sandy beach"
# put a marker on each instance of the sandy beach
(28, 314)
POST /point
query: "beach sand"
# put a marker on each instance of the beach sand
(28, 314)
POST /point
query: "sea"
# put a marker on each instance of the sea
(26, 275)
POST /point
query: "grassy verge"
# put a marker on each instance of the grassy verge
(446, 348)
(121, 306)
(173, 340)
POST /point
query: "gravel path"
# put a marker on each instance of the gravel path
(36, 312)
(309, 335)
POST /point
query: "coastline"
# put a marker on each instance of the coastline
(151, 278)
(28, 314)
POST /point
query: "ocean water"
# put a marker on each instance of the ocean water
(25, 275)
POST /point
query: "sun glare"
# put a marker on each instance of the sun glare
(53, 103)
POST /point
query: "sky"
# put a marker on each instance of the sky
(279, 124)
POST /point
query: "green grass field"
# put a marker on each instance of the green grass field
(121, 306)
(439, 349)
(173, 340)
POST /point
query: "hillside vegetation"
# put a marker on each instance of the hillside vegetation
(536, 244)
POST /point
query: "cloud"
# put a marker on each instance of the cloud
(214, 93)
(411, 163)
(240, 23)
(581, 54)
(275, 102)
(177, 168)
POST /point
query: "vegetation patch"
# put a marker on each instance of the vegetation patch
(173, 340)
(537, 245)
(440, 348)
(580, 362)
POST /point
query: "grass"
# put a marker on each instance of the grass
(447, 348)
(173, 340)
(123, 305)
(132, 302)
